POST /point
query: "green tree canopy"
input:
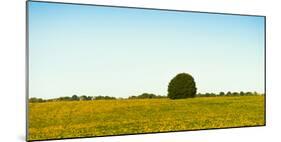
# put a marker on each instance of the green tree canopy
(182, 86)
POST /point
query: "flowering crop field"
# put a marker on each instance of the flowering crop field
(67, 119)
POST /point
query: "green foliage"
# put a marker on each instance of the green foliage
(64, 98)
(104, 98)
(36, 100)
(147, 96)
(74, 97)
(241, 93)
(221, 94)
(142, 96)
(228, 93)
(83, 98)
(182, 86)
(89, 98)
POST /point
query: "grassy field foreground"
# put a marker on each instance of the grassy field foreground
(65, 119)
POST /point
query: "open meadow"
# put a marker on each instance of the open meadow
(67, 119)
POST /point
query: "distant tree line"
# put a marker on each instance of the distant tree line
(72, 98)
(36, 100)
(146, 96)
(142, 96)
(85, 98)
(228, 94)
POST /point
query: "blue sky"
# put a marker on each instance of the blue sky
(93, 50)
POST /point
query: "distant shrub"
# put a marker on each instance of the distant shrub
(132, 97)
(81, 98)
(89, 97)
(36, 100)
(104, 98)
(221, 94)
(182, 86)
(74, 98)
(228, 93)
(242, 93)
(66, 98)
(146, 96)
(235, 94)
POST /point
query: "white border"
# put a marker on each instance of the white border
(12, 70)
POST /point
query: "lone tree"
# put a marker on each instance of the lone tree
(182, 86)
